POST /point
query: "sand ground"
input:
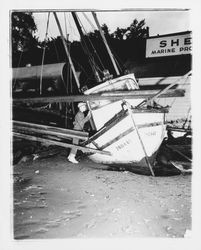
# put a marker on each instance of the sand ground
(54, 198)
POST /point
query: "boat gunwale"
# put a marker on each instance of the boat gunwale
(111, 82)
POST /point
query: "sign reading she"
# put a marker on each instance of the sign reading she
(169, 46)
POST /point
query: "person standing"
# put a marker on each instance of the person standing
(78, 123)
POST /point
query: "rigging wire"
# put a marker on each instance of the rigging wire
(106, 44)
(113, 52)
(94, 50)
(85, 47)
(116, 57)
(71, 28)
(43, 56)
(89, 21)
(65, 26)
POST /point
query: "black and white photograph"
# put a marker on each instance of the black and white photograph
(101, 123)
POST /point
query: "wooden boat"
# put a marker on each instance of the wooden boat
(132, 135)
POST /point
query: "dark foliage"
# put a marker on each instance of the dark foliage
(26, 48)
(23, 39)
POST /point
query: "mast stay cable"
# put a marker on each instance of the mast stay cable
(106, 45)
(113, 52)
(85, 47)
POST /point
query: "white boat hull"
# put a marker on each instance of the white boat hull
(123, 142)
(116, 131)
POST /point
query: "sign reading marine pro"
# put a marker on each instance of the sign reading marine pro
(169, 45)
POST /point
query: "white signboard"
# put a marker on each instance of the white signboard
(169, 46)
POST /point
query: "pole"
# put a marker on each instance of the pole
(140, 139)
(106, 45)
(43, 56)
(66, 49)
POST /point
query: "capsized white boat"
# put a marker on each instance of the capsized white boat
(132, 135)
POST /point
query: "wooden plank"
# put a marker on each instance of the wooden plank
(135, 94)
(160, 81)
(61, 144)
(47, 132)
(117, 138)
(108, 125)
(51, 128)
(66, 135)
(149, 92)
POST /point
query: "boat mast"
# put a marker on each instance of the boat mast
(67, 52)
(86, 49)
(106, 44)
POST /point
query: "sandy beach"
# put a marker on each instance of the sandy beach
(56, 199)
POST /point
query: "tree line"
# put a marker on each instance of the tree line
(28, 49)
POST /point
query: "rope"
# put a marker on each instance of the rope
(43, 56)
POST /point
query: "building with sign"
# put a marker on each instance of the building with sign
(169, 45)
